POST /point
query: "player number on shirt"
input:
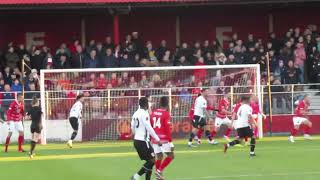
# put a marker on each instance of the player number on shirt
(156, 122)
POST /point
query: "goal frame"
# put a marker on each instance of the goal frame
(43, 71)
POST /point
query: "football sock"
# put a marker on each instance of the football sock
(213, 133)
(148, 169)
(208, 135)
(158, 164)
(199, 134)
(252, 144)
(20, 142)
(294, 132)
(33, 146)
(232, 143)
(165, 163)
(191, 137)
(228, 132)
(7, 143)
(74, 134)
(307, 130)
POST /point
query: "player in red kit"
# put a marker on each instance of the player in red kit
(222, 119)
(256, 113)
(15, 115)
(301, 112)
(160, 121)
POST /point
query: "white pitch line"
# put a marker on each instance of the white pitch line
(252, 175)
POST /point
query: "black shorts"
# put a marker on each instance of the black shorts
(144, 150)
(74, 123)
(245, 132)
(198, 122)
(35, 129)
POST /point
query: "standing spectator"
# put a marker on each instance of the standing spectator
(73, 47)
(251, 56)
(16, 86)
(109, 60)
(149, 52)
(276, 44)
(108, 44)
(63, 50)
(300, 58)
(12, 58)
(62, 63)
(137, 43)
(230, 60)
(36, 60)
(291, 74)
(125, 61)
(209, 60)
(166, 59)
(7, 75)
(7, 97)
(91, 61)
(22, 52)
(77, 60)
(239, 56)
(250, 42)
(185, 51)
(100, 53)
(160, 52)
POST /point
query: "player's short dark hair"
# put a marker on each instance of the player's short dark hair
(143, 103)
(245, 98)
(148, 96)
(204, 89)
(164, 101)
(19, 95)
(34, 100)
(305, 96)
(79, 96)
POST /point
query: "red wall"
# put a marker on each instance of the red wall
(284, 124)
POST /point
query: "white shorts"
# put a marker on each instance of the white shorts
(297, 121)
(165, 148)
(15, 126)
(219, 121)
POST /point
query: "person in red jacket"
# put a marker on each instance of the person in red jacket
(15, 115)
(160, 121)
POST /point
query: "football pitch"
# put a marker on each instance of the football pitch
(276, 159)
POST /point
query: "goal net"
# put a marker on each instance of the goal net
(112, 96)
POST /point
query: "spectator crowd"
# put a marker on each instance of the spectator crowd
(294, 58)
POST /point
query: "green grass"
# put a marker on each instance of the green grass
(276, 159)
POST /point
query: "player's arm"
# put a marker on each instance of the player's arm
(133, 125)
(225, 111)
(146, 122)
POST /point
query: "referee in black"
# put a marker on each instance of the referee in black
(35, 114)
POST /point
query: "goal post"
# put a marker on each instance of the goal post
(112, 95)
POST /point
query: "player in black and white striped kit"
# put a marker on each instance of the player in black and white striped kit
(142, 129)
(75, 117)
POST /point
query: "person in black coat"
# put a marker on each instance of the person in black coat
(109, 60)
(36, 60)
(62, 63)
(77, 59)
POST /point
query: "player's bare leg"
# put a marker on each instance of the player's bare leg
(35, 139)
(20, 141)
(7, 141)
